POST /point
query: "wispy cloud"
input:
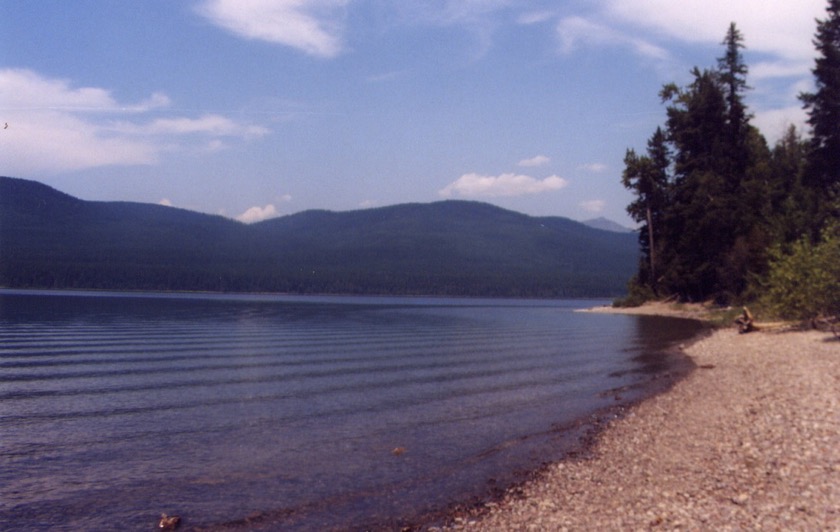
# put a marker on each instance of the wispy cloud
(470, 14)
(781, 30)
(535, 17)
(779, 27)
(593, 206)
(476, 185)
(480, 19)
(780, 69)
(313, 26)
(55, 126)
(210, 124)
(595, 168)
(538, 160)
(576, 31)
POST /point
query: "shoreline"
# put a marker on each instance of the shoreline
(750, 439)
(692, 311)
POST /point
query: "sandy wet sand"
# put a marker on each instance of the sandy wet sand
(749, 441)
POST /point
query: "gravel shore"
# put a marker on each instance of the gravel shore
(749, 441)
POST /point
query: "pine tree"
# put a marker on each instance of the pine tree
(822, 176)
(648, 177)
(714, 222)
(788, 201)
(699, 219)
(733, 75)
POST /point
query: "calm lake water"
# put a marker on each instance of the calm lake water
(295, 413)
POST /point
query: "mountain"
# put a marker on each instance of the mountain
(50, 239)
(607, 225)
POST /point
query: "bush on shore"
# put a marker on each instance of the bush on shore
(803, 282)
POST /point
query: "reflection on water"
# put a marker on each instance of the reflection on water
(116, 407)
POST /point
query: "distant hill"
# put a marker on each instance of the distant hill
(49, 239)
(607, 225)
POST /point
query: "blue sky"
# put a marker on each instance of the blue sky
(261, 108)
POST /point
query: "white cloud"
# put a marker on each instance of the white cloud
(779, 69)
(475, 185)
(54, 126)
(593, 206)
(781, 30)
(780, 27)
(210, 124)
(165, 202)
(26, 90)
(576, 31)
(777, 34)
(539, 160)
(313, 26)
(595, 168)
(773, 123)
(257, 214)
(50, 141)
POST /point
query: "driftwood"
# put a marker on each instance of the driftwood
(745, 322)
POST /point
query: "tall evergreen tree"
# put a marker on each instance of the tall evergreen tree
(822, 176)
(788, 201)
(696, 124)
(714, 223)
(647, 176)
(733, 75)
(699, 219)
(754, 223)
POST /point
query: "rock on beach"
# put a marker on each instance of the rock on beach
(748, 441)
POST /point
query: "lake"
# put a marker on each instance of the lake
(297, 413)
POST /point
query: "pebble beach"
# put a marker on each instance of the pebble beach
(750, 440)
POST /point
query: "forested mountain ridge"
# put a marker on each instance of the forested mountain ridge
(49, 239)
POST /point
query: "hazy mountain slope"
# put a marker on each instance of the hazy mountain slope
(48, 238)
(606, 225)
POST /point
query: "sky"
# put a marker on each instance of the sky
(253, 109)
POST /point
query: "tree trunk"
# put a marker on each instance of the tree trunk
(652, 254)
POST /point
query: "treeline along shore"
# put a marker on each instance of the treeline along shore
(750, 440)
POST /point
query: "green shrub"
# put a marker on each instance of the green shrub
(638, 294)
(804, 282)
